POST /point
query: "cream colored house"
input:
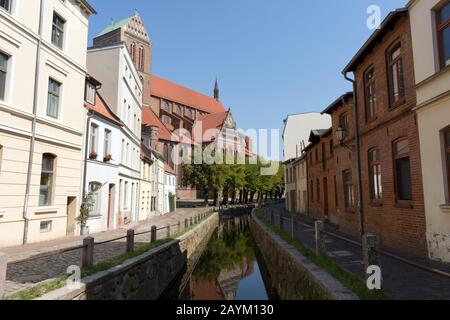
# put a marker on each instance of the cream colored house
(301, 185)
(42, 119)
(430, 26)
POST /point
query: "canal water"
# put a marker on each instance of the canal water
(228, 267)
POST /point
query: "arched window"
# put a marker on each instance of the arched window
(376, 190)
(94, 193)
(349, 191)
(47, 180)
(133, 52)
(395, 71)
(141, 58)
(402, 170)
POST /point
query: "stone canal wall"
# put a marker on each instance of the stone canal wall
(290, 274)
(144, 277)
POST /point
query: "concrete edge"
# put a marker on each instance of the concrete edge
(336, 289)
(127, 264)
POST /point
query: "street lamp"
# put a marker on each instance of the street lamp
(341, 133)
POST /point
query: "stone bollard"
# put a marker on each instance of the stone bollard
(191, 222)
(168, 230)
(87, 257)
(320, 244)
(130, 240)
(370, 254)
(153, 234)
(186, 223)
(3, 266)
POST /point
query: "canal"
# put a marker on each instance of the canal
(227, 268)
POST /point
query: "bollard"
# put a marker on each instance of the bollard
(3, 266)
(186, 223)
(87, 258)
(130, 240)
(168, 230)
(370, 254)
(153, 234)
(190, 222)
(320, 244)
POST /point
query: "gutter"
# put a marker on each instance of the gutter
(358, 154)
(33, 125)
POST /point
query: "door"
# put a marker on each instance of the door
(71, 215)
(325, 197)
(110, 205)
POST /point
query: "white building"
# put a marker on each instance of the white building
(297, 128)
(170, 190)
(122, 90)
(42, 120)
(103, 154)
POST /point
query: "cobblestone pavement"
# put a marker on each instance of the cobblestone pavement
(24, 275)
(400, 280)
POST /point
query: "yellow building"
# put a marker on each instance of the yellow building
(430, 27)
(42, 118)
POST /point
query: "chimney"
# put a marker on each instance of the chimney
(150, 136)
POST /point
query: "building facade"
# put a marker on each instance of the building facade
(102, 150)
(122, 90)
(146, 208)
(170, 189)
(42, 117)
(430, 25)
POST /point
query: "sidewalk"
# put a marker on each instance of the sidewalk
(27, 274)
(400, 280)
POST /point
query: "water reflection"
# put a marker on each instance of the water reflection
(228, 268)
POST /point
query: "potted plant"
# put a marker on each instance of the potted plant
(107, 158)
(85, 211)
(93, 155)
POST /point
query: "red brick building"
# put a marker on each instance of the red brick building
(392, 193)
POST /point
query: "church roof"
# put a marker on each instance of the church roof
(210, 122)
(132, 25)
(168, 90)
(149, 118)
(115, 26)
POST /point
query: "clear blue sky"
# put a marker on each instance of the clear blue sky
(272, 58)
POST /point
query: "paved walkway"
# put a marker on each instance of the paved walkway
(400, 280)
(24, 275)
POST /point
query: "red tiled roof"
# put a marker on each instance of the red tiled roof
(208, 122)
(169, 169)
(149, 118)
(102, 109)
(162, 88)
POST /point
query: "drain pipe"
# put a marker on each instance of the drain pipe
(358, 154)
(33, 125)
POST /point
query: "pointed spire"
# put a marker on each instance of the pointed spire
(216, 90)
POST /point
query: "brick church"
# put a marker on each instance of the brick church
(168, 107)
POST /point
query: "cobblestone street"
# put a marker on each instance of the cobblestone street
(26, 274)
(400, 280)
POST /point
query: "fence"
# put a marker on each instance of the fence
(92, 251)
(371, 252)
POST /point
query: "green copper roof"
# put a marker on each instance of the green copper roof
(115, 26)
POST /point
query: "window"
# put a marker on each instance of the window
(5, 4)
(402, 170)
(349, 194)
(443, 33)
(375, 174)
(133, 52)
(318, 190)
(45, 226)
(107, 143)
(125, 196)
(343, 121)
(447, 157)
(93, 138)
(54, 89)
(395, 69)
(58, 30)
(94, 190)
(47, 173)
(89, 93)
(3, 72)
(141, 58)
(369, 85)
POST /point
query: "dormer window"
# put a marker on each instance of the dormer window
(90, 93)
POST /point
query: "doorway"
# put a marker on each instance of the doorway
(111, 194)
(71, 215)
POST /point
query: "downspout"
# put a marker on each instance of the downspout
(33, 125)
(86, 146)
(358, 155)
